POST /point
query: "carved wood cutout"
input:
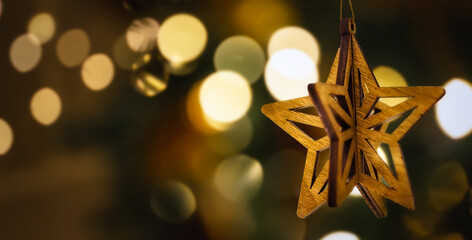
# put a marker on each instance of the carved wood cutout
(357, 123)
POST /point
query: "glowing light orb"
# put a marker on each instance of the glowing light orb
(448, 186)
(225, 96)
(6, 137)
(295, 38)
(73, 47)
(141, 35)
(150, 75)
(123, 55)
(43, 26)
(288, 74)
(25, 52)
(173, 201)
(340, 235)
(46, 106)
(389, 77)
(238, 178)
(97, 71)
(453, 111)
(182, 38)
(240, 54)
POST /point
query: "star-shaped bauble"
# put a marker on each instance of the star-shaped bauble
(357, 124)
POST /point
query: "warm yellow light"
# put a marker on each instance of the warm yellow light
(295, 38)
(240, 54)
(43, 26)
(46, 106)
(454, 111)
(389, 77)
(150, 75)
(288, 74)
(97, 71)
(225, 96)
(182, 38)
(6, 137)
(25, 52)
(142, 34)
(238, 178)
(123, 55)
(173, 201)
(340, 235)
(73, 47)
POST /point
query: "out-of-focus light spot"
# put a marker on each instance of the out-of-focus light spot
(453, 111)
(73, 47)
(142, 34)
(422, 224)
(233, 140)
(46, 106)
(340, 235)
(6, 137)
(123, 55)
(182, 69)
(25, 52)
(355, 193)
(43, 26)
(173, 201)
(389, 77)
(288, 73)
(182, 38)
(295, 38)
(225, 96)
(240, 54)
(259, 19)
(150, 75)
(195, 113)
(238, 178)
(97, 71)
(448, 186)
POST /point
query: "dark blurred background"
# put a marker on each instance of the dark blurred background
(103, 139)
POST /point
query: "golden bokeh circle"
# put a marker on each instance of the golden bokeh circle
(46, 106)
(73, 47)
(6, 137)
(97, 71)
(25, 52)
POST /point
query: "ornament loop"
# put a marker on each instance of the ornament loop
(341, 11)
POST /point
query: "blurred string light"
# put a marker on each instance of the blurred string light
(73, 47)
(340, 235)
(225, 97)
(389, 77)
(288, 73)
(141, 35)
(448, 186)
(295, 38)
(238, 178)
(97, 72)
(181, 39)
(240, 54)
(173, 201)
(453, 111)
(150, 75)
(46, 106)
(235, 139)
(6, 137)
(43, 26)
(25, 52)
(123, 55)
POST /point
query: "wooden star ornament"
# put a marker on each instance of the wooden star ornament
(349, 107)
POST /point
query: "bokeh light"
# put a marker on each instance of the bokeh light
(340, 235)
(6, 137)
(182, 38)
(173, 201)
(225, 96)
(389, 77)
(150, 75)
(73, 47)
(141, 35)
(25, 52)
(97, 71)
(295, 38)
(46, 106)
(238, 178)
(288, 74)
(453, 111)
(240, 54)
(123, 55)
(448, 186)
(234, 139)
(43, 26)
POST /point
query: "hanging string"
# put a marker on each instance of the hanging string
(341, 10)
